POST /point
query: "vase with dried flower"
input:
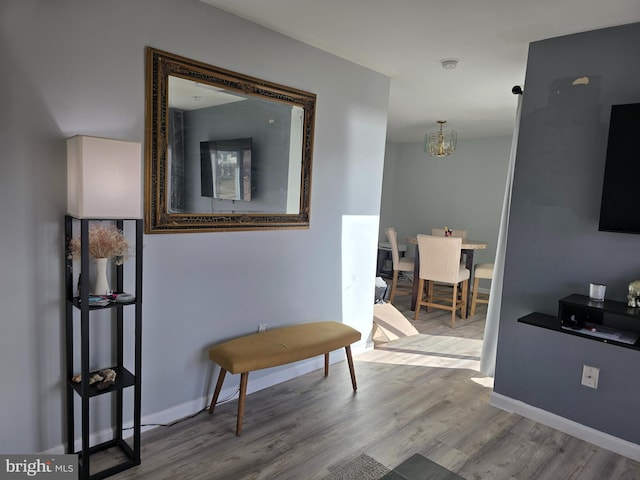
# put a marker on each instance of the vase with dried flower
(106, 242)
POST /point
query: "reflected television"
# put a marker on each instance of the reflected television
(225, 169)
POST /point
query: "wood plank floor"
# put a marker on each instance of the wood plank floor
(420, 394)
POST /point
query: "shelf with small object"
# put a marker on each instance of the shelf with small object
(122, 379)
(607, 321)
(125, 315)
(105, 301)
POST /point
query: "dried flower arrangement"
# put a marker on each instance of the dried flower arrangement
(104, 242)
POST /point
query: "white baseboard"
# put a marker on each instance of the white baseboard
(588, 434)
(170, 415)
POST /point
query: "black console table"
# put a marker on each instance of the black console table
(608, 321)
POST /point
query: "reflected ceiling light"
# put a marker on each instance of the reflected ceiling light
(440, 143)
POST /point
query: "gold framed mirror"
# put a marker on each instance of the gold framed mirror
(224, 151)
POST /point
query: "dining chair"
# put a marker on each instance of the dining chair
(400, 264)
(440, 263)
(384, 258)
(456, 232)
(480, 270)
(439, 232)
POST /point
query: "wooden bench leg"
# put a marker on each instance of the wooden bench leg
(216, 392)
(241, 401)
(351, 369)
(326, 364)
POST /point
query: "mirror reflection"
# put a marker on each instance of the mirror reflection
(238, 149)
(203, 121)
(225, 169)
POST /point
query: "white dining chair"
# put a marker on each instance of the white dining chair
(480, 270)
(455, 232)
(440, 263)
(385, 258)
(400, 264)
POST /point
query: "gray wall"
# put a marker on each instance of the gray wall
(464, 190)
(77, 67)
(554, 246)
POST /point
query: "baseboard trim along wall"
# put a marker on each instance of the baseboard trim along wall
(588, 434)
(227, 394)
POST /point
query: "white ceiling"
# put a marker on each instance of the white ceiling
(406, 39)
(189, 95)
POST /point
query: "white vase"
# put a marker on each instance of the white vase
(101, 285)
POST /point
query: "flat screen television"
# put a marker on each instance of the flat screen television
(225, 169)
(620, 206)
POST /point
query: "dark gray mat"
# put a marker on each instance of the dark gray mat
(362, 467)
(418, 467)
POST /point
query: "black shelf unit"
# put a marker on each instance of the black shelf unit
(78, 308)
(611, 314)
(596, 312)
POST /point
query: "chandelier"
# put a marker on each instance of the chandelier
(440, 143)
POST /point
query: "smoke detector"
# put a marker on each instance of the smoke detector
(449, 63)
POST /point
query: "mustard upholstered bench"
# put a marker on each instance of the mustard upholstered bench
(279, 346)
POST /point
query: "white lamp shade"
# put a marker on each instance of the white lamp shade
(104, 178)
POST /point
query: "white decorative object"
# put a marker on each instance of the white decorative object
(101, 285)
(597, 291)
(633, 298)
(104, 178)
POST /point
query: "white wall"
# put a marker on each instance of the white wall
(77, 67)
(464, 190)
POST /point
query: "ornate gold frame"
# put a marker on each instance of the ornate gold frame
(157, 218)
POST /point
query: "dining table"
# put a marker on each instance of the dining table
(467, 249)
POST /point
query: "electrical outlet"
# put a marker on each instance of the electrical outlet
(262, 327)
(590, 376)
